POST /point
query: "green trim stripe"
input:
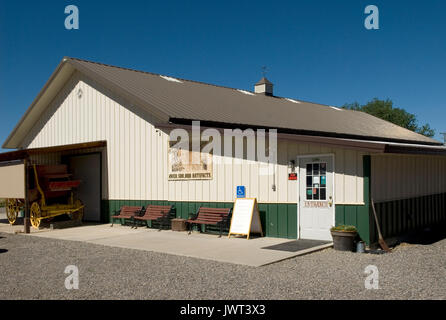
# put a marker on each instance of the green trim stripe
(358, 215)
(278, 220)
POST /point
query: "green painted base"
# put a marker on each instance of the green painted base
(279, 220)
(407, 215)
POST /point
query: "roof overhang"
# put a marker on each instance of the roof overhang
(56, 82)
(358, 140)
(26, 153)
(369, 146)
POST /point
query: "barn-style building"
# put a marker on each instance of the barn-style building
(111, 126)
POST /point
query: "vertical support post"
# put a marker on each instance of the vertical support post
(368, 223)
(26, 219)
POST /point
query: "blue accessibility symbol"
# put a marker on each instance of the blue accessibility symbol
(241, 192)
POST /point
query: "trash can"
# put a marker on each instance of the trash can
(360, 247)
(179, 225)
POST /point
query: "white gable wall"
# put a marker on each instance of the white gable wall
(135, 163)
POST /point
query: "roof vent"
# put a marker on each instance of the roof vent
(292, 100)
(171, 79)
(245, 92)
(264, 86)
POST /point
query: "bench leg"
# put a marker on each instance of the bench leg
(113, 221)
(190, 227)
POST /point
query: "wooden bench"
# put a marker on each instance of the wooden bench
(126, 213)
(210, 216)
(161, 214)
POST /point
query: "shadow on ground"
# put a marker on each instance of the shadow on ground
(426, 236)
(19, 221)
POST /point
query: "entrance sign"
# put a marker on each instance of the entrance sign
(245, 218)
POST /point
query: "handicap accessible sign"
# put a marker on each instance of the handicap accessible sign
(241, 192)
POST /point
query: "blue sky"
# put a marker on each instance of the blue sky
(315, 50)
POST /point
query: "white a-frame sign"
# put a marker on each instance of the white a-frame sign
(245, 218)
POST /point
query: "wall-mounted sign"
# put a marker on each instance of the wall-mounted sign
(316, 204)
(241, 192)
(182, 167)
(245, 218)
(292, 176)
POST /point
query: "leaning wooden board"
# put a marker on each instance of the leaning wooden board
(245, 218)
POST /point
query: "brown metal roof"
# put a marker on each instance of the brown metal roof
(198, 101)
(178, 100)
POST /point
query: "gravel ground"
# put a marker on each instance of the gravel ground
(33, 268)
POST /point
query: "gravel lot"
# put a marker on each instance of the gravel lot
(33, 268)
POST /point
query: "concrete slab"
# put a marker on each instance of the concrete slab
(202, 246)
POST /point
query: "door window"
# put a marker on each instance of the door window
(316, 181)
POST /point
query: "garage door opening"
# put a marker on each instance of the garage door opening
(87, 168)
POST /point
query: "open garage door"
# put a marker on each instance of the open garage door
(87, 168)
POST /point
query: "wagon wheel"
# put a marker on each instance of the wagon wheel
(12, 210)
(35, 215)
(79, 214)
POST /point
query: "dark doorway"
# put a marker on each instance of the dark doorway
(87, 168)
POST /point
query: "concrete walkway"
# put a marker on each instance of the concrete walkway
(202, 246)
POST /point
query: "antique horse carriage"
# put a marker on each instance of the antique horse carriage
(50, 194)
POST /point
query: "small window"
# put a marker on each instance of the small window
(315, 169)
(309, 193)
(309, 169)
(309, 181)
(316, 182)
(323, 194)
(323, 169)
(315, 193)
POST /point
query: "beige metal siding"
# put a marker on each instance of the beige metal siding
(13, 181)
(135, 162)
(407, 176)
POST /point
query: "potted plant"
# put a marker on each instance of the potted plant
(344, 237)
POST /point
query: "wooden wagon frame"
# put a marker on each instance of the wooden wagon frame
(50, 182)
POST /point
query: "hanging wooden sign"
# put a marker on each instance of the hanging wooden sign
(245, 218)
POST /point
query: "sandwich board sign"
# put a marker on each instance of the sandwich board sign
(245, 218)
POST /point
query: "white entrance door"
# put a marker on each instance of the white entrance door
(316, 210)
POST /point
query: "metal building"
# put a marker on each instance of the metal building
(111, 126)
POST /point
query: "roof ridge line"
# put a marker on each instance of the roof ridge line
(156, 74)
(194, 81)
